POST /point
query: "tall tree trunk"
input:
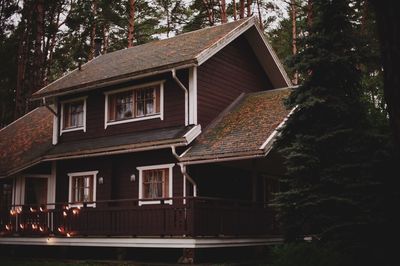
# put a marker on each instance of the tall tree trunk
(52, 43)
(223, 12)
(168, 15)
(294, 36)
(309, 13)
(389, 37)
(249, 3)
(241, 9)
(260, 15)
(93, 30)
(131, 22)
(210, 12)
(234, 10)
(22, 58)
(38, 61)
(106, 33)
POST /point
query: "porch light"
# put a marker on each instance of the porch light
(133, 178)
(101, 180)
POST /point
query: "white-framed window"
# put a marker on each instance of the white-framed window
(82, 188)
(34, 189)
(73, 115)
(135, 103)
(155, 182)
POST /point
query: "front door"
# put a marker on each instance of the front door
(35, 191)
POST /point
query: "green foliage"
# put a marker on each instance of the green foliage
(335, 153)
(309, 254)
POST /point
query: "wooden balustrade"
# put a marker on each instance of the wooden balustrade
(190, 216)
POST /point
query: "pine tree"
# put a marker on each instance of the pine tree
(332, 152)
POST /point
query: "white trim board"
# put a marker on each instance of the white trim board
(142, 242)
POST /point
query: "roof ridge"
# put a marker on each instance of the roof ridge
(246, 20)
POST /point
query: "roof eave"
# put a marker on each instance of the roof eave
(113, 80)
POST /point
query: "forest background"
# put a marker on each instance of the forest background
(341, 146)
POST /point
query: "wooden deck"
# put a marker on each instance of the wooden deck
(190, 217)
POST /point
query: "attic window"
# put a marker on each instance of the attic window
(73, 113)
(133, 104)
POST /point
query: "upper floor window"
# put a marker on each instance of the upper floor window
(73, 115)
(136, 103)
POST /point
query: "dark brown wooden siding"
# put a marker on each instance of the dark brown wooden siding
(221, 79)
(174, 110)
(116, 171)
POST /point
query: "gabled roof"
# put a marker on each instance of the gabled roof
(185, 50)
(23, 142)
(246, 128)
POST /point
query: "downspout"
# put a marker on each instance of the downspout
(188, 177)
(185, 174)
(173, 71)
(48, 107)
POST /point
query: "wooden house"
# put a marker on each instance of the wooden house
(163, 145)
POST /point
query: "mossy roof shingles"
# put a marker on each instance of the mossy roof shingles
(154, 56)
(25, 140)
(243, 127)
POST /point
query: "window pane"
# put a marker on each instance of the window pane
(155, 183)
(83, 189)
(73, 114)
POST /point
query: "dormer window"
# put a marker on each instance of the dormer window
(134, 103)
(73, 115)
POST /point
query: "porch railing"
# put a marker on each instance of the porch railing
(190, 216)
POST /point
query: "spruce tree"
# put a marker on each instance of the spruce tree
(333, 154)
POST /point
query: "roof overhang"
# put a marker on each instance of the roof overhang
(263, 150)
(113, 81)
(183, 141)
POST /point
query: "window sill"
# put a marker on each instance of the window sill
(80, 205)
(155, 116)
(154, 202)
(72, 129)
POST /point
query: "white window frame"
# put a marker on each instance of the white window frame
(170, 181)
(158, 115)
(87, 173)
(83, 128)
